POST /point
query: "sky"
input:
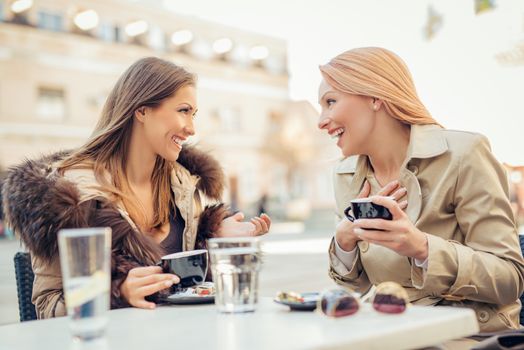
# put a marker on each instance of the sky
(456, 73)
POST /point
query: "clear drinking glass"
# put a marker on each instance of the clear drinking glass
(235, 265)
(85, 263)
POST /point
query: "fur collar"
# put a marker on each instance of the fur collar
(38, 203)
(201, 164)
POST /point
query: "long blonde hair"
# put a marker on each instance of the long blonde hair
(378, 73)
(146, 83)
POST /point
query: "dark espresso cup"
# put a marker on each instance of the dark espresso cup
(364, 208)
(190, 266)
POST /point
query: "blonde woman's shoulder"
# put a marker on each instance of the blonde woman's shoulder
(471, 150)
(464, 142)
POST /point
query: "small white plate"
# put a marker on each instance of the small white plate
(190, 296)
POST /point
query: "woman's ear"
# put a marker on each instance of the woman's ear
(376, 103)
(140, 114)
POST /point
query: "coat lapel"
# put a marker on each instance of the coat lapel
(426, 141)
(355, 168)
(409, 180)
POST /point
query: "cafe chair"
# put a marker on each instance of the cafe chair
(24, 286)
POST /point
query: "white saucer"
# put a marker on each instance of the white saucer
(190, 296)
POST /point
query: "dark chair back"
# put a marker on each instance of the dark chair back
(521, 238)
(24, 286)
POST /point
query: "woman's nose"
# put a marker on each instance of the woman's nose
(323, 122)
(189, 128)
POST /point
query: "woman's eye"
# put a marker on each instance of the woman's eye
(184, 110)
(330, 101)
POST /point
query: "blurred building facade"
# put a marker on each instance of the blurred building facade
(60, 58)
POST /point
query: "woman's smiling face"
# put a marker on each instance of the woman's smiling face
(169, 125)
(347, 117)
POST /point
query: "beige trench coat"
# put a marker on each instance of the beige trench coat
(458, 195)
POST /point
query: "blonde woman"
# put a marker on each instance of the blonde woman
(136, 175)
(452, 240)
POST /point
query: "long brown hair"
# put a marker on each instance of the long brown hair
(377, 72)
(147, 83)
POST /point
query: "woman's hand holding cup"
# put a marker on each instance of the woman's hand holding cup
(143, 281)
(345, 234)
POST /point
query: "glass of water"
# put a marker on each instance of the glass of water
(85, 263)
(235, 265)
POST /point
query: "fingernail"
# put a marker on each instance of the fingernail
(358, 231)
(152, 306)
(168, 283)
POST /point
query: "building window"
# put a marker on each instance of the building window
(109, 32)
(50, 21)
(117, 34)
(50, 105)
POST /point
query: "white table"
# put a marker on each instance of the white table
(272, 326)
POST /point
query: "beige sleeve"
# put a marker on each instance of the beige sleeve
(353, 276)
(50, 304)
(48, 295)
(488, 265)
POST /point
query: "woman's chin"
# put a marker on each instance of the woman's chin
(345, 146)
(174, 156)
(171, 156)
(348, 152)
